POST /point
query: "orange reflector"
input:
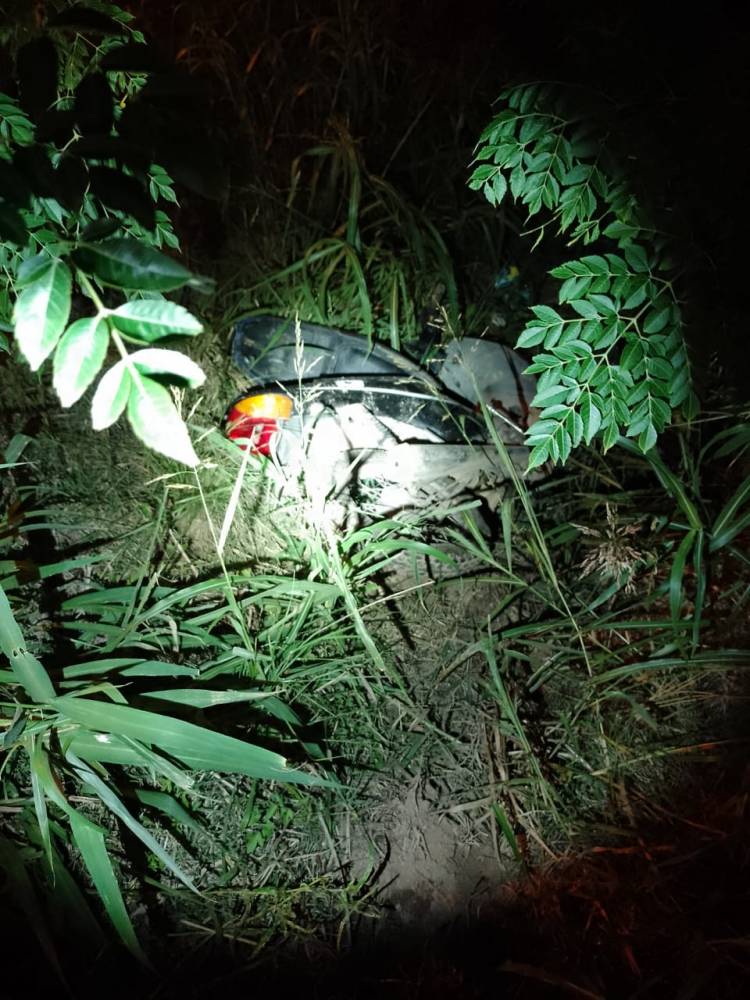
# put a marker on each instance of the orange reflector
(270, 405)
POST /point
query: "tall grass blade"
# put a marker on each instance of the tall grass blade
(89, 840)
(677, 573)
(40, 802)
(507, 831)
(169, 805)
(727, 525)
(234, 500)
(28, 671)
(196, 747)
(113, 803)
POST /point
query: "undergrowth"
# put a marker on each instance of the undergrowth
(578, 681)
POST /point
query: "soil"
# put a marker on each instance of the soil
(435, 872)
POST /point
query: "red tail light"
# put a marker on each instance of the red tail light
(254, 420)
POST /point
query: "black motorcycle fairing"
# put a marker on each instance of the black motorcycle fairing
(268, 349)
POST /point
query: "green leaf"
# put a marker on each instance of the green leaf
(100, 229)
(591, 417)
(632, 355)
(636, 256)
(111, 396)
(657, 319)
(647, 438)
(168, 805)
(40, 802)
(577, 174)
(574, 427)
(499, 187)
(637, 291)
(517, 181)
(150, 319)
(610, 437)
(538, 456)
(584, 308)
(573, 288)
(78, 358)
(676, 575)
(660, 368)
(596, 264)
(563, 443)
(112, 801)
(531, 336)
(90, 842)
(550, 396)
(159, 765)
(533, 126)
(546, 314)
(621, 231)
(127, 263)
(507, 831)
(196, 747)
(156, 360)
(480, 175)
(604, 304)
(32, 268)
(727, 524)
(41, 312)
(205, 698)
(27, 670)
(155, 420)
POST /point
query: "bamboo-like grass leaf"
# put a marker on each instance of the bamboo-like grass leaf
(722, 659)
(71, 901)
(507, 830)
(159, 764)
(103, 749)
(169, 805)
(727, 525)
(701, 583)
(196, 747)
(111, 800)
(677, 573)
(27, 670)
(129, 666)
(40, 802)
(205, 698)
(89, 840)
(669, 481)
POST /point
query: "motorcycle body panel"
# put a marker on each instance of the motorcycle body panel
(369, 428)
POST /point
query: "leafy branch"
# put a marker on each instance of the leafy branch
(77, 212)
(614, 361)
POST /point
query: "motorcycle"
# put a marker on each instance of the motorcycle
(375, 432)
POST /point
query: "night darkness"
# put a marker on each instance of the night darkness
(639, 920)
